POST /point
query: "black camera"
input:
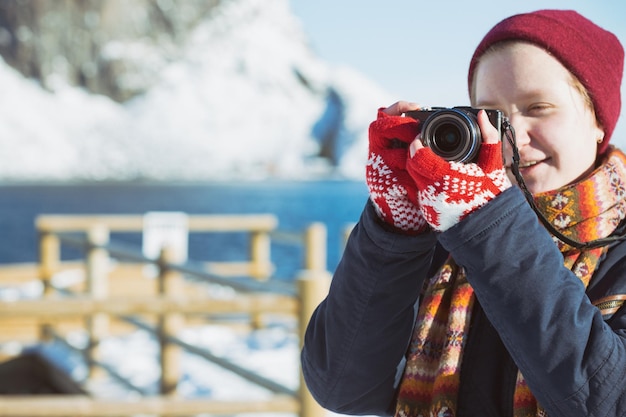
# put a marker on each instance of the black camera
(453, 133)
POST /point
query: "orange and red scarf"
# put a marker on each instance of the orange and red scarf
(584, 211)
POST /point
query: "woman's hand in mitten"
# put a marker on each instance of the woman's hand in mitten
(392, 191)
(450, 191)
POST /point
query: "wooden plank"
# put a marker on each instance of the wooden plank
(84, 306)
(233, 223)
(134, 223)
(82, 406)
(125, 278)
(20, 273)
(129, 271)
(26, 330)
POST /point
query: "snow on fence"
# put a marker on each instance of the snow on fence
(171, 301)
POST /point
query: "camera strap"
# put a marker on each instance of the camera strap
(509, 133)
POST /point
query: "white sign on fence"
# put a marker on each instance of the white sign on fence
(165, 229)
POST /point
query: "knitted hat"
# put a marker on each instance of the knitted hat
(593, 55)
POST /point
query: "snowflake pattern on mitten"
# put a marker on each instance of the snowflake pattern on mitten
(449, 191)
(392, 190)
(391, 199)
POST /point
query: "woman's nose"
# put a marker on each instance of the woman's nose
(520, 127)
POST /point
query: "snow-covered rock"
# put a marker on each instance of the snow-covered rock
(247, 99)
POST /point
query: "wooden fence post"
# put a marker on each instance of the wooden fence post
(97, 271)
(49, 259)
(312, 289)
(260, 255)
(315, 247)
(261, 260)
(171, 284)
(313, 285)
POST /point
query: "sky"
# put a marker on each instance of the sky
(420, 50)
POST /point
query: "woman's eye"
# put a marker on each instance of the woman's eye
(538, 107)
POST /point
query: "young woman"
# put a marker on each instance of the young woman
(458, 295)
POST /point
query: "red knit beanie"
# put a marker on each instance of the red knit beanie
(594, 55)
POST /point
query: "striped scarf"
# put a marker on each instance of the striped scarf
(584, 211)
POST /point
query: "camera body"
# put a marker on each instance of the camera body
(453, 133)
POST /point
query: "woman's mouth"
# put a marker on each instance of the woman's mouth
(528, 164)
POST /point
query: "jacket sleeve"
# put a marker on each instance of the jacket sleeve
(356, 340)
(574, 362)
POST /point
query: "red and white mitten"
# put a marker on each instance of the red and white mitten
(450, 191)
(391, 188)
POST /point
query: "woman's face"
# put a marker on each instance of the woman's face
(556, 130)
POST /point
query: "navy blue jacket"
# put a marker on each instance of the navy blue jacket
(532, 314)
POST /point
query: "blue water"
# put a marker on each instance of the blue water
(296, 204)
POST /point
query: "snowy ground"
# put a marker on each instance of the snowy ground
(271, 351)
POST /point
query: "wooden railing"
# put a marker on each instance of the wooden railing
(173, 303)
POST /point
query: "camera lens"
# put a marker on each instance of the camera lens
(452, 134)
(447, 137)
